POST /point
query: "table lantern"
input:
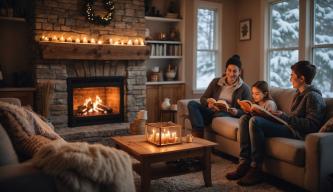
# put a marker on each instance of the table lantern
(163, 133)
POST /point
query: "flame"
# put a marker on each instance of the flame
(93, 106)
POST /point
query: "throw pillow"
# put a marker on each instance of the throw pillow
(328, 126)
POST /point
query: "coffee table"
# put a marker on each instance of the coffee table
(151, 156)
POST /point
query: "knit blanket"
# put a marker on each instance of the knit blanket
(86, 167)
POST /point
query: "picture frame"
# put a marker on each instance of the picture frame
(245, 30)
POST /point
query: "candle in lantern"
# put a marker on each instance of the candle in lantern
(54, 38)
(92, 40)
(77, 40)
(122, 42)
(116, 43)
(110, 41)
(129, 42)
(69, 39)
(100, 42)
(136, 42)
(85, 40)
(62, 39)
(142, 42)
(42, 38)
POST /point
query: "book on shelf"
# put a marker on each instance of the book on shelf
(220, 104)
(249, 106)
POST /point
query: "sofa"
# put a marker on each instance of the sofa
(305, 163)
(16, 175)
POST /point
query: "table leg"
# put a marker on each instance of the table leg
(145, 177)
(207, 167)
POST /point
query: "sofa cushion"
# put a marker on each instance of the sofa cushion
(288, 150)
(7, 152)
(328, 126)
(226, 127)
(283, 98)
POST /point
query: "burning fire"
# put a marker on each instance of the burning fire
(96, 107)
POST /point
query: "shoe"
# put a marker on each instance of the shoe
(241, 171)
(253, 176)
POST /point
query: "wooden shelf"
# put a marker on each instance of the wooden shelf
(163, 19)
(21, 19)
(164, 82)
(165, 57)
(163, 42)
(85, 51)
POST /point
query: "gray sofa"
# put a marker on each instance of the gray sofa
(306, 164)
(16, 175)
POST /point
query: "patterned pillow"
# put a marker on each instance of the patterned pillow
(328, 126)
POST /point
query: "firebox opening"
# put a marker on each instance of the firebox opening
(95, 100)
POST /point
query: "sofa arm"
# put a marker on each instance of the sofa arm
(318, 161)
(25, 177)
(182, 112)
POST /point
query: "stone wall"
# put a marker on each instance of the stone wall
(66, 18)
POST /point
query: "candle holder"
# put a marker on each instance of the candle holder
(163, 133)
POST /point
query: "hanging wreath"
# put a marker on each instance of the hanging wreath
(90, 13)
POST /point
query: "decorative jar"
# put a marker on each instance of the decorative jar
(163, 133)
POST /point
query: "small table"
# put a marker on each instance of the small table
(150, 155)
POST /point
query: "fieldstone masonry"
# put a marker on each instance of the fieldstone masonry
(66, 17)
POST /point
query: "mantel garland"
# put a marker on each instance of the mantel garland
(90, 13)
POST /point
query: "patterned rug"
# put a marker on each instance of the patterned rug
(193, 182)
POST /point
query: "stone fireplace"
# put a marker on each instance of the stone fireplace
(63, 61)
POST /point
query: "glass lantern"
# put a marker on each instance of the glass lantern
(163, 133)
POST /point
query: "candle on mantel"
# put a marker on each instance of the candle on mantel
(92, 40)
(110, 41)
(129, 42)
(84, 40)
(136, 42)
(77, 40)
(62, 39)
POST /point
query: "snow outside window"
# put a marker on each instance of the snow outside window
(323, 46)
(284, 36)
(207, 46)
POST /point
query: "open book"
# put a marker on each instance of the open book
(247, 106)
(220, 104)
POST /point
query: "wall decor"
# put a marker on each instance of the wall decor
(245, 29)
(100, 20)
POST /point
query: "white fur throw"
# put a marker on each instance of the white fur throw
(86, 167)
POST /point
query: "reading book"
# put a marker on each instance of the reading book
(220, 104)
(248, 106)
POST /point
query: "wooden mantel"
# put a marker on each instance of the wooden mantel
(80, 51)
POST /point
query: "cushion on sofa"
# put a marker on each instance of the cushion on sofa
(226, 126)
(288, 150)
(328, 126)
(283, 98)
(7, 152)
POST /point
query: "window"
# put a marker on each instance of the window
(288, 41)
(284, 36)
(322, 49)
(207, 46)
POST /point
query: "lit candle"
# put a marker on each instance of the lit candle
(62, 39)
(92, 40)
(69, 39)
(122, 42)
(54, 38)
(136, 42)
(116, 43)
(142, 42)
(42, 38)
(85, 40)
(46, 38)
(157, 138)
(129, 42)
(100, 42)
(110, 41)
(77, 40)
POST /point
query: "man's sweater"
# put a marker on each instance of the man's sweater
(307, 112)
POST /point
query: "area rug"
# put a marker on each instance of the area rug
(193, 182)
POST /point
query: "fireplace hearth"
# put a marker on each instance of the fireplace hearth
(95, 100)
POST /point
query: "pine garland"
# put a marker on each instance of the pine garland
(90, 13)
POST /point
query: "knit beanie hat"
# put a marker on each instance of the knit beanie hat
(235, 60)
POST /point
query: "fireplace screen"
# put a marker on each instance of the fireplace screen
(95, 100)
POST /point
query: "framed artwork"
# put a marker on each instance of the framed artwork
(245, 29)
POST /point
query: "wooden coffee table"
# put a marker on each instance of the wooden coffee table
(151, 156)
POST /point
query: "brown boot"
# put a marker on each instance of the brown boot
(196, 133)
(254, 176)
(241, 170)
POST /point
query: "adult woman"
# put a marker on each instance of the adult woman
(305, 117)
(230, 87)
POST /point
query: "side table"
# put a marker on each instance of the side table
(167, 115)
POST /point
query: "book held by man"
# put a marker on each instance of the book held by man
(220, 104)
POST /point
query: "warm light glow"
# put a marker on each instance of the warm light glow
(110, 41)
(54, 38)
(69, 39)
(129, 42)
(142, 42)
(92, 40)
(85, 40)
(90, 106)
(136, 42)
(100, 42)
(62, 39)
(77, 40)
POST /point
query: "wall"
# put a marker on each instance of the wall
(229, 34)
(250, 50)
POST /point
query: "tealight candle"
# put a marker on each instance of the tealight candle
(100, 42)
(54, 38)
(69, 39)
(62, 39)
(42, 38)
(122, 42)
(116, 43)
(92, 40)
(77, 40)
(85, 40)
(142, 42)
(136, 42)
(129, 42)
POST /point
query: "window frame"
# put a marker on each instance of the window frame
(218, 50)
